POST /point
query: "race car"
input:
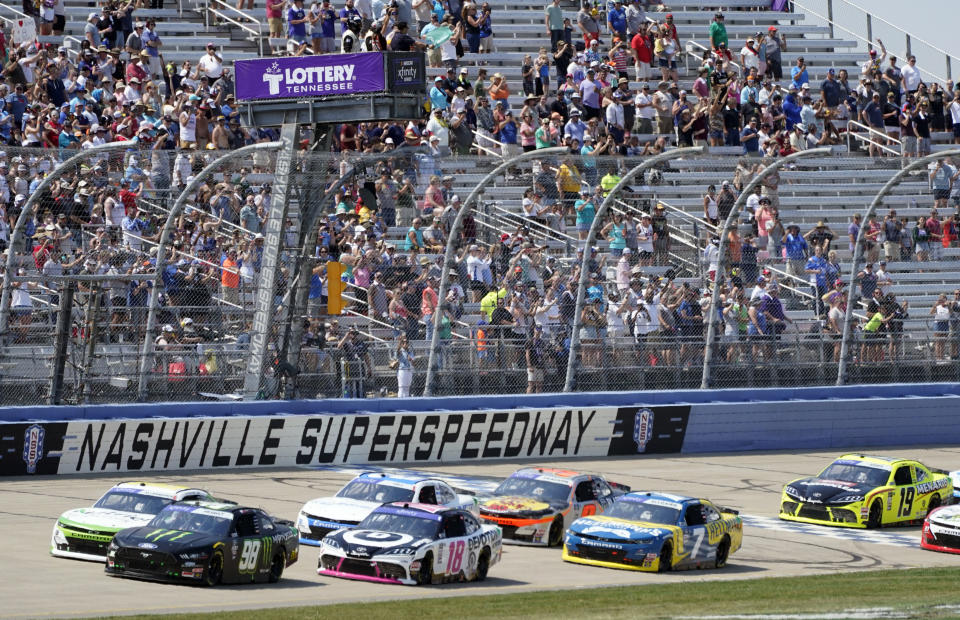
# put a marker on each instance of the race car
(84, 533)
(412, 544)
(941, 530)
(866, 492)
(360, 496)
(205, 542)
(655, 532)
(955, 479)
(535, 504)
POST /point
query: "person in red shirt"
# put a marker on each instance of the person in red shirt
(41, 251)
(642, 54)
(137, 69)
(129, 198)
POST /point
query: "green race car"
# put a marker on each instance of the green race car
(85, 533)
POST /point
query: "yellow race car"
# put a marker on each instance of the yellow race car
(866, 492)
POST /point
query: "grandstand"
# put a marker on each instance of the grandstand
(829, 188)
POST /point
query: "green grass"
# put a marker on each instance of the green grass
(914, 590)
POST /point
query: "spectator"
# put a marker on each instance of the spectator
(554, 23)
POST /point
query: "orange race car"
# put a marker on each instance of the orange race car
(535, 505)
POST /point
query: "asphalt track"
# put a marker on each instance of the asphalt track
(35, 584)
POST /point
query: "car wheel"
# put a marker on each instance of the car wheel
(555, 537)
(276, 567)
(875, 519)
(214, 571)
(934, 504)
(425, 576)
(666, 557)
(483, 565)
(723, 552)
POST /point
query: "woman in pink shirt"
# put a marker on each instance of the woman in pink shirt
(528, 132)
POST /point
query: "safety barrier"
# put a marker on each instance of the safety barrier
(202, 436)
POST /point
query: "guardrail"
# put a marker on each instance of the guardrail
(872, 132)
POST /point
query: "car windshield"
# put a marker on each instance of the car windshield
(193, 519)
(139, 503)
(540, 489)
(847, 471)
(402, 524)
(633, 510)
(374, 491)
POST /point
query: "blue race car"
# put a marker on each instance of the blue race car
(655, 532)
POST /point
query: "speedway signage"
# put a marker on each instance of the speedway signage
(297, 77)
(200, 443)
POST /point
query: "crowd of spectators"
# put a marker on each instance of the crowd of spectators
(105, 217)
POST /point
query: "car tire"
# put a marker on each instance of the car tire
(425, 575)
(276, 567)
(666, 558)
(723, 552)
(214, 573)
(555, 536)
(483, 564)
(933, 505)
(875, 520)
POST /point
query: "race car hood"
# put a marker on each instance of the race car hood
(104, 518)
(151, 538)
(519, 506)
(618, 530)
(824, 491)
(948, 516)
(368, 543)
(339, 508)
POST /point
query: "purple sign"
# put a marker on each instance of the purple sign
(309, 76)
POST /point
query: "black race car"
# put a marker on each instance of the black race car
(206, 543)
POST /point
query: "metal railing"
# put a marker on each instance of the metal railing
(837, 11)
(703, 48)
(872, 132)
(241, 19)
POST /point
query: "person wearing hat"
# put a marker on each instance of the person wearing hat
(134, 43)
(750, 57)
(718, 32)
(798, 74)
(774, 46)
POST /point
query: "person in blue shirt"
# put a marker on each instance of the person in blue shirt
(750, 138)
(585, 210)
(297, 23)
(797, 251)
(438, 97)
(791, 110)
(17, 104)
(799, 75)
(575, 127)
(818, 269)
(617, 20)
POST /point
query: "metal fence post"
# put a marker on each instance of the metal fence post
(869, 31)
(16, 235)
(452, 240)
(907, 37)
(732, 217)
(858, 254)
(592, 236)
(146, 358)
(830, 16)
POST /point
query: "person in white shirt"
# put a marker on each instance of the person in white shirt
(623, 272)
(114, 210)
(438, 128)
(911, 75)
(645, 240)
(955, 115)
(210, 64)
(643, 121)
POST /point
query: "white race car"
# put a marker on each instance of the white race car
(413, 544)
(85, 533)
(359, 497)
(955, 478)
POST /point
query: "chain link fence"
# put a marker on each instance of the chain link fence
(505, 326)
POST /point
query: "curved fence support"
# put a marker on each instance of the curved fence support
(310, 228)
(28, 208)
(733, 217)
(448, 258)
(858, 253)
(608, 200)
(146, 359)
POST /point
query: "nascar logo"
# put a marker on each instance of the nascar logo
(33, 447)
(643, 429)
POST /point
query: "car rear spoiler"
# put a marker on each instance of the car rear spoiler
(620, 487)
(286, 522)
(730, 510)
(939, 471)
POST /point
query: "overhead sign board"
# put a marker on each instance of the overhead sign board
(297, 77)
